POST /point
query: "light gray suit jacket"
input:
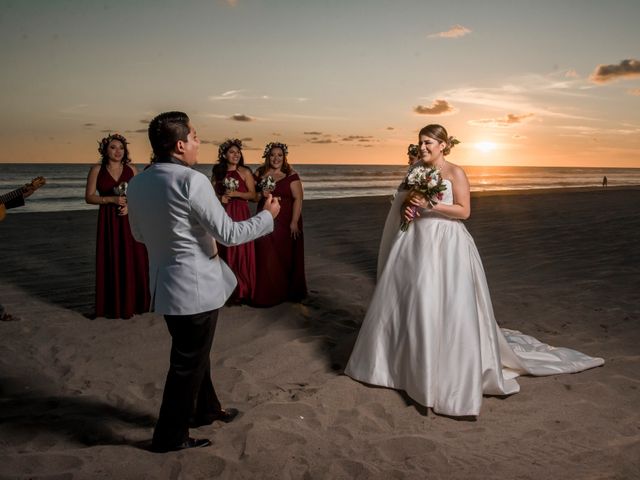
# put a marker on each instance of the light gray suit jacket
(174, 211)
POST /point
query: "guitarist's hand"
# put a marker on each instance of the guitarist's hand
(27, 190)
(35, 184)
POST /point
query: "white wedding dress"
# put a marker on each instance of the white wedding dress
(430, 328)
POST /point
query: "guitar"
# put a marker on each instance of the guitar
(25, 190)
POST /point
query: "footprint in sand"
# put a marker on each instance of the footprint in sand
(263, 438)
(401, 449)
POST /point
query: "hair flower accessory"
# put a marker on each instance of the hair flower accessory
(226, 145)
(104, 143)
(272, 145)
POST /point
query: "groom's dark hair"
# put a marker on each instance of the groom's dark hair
(164, 132)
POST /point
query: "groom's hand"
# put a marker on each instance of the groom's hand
(272, 205)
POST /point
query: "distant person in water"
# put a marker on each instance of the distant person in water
(604, 182)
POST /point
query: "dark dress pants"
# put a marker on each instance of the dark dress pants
(188, 391)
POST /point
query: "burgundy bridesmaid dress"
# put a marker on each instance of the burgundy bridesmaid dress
(241, 259)
(122, 271)
(279, 258)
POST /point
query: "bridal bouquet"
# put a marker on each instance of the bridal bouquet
(231, 184)
(267, 183)
(121, 189)
(425, 181)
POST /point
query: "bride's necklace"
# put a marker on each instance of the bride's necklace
(439, 167)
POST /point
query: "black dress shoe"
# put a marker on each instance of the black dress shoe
(188, 443)
(225, 416)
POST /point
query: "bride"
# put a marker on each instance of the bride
(430, 328)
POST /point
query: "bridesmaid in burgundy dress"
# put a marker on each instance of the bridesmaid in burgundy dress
(122, 272)
(280, 255)
(234, 185)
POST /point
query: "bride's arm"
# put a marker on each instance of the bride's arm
(461, 208)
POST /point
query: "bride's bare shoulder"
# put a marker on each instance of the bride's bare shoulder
(456, 172)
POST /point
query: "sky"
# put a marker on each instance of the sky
(537, 83)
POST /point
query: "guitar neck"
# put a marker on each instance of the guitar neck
(7, 197)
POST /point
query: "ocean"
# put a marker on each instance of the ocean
(66, 182)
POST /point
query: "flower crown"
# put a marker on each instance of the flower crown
(104, 143)
(272, 145)
(226, 145)
(413, 150)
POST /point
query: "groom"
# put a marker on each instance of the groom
(174, 211)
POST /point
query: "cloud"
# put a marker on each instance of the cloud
(141, 130)
(518, 137)
(231, 3)
(248, 95)
(390, 128)
(74, 108)
(145, 121)
(438, 107)
(508, 120)
(583, 130)
(240, 117)
(454, 32)
(228, 95)
(608, 73)
(296, 116)
(571, 74)
(325, 138)
(512, 97)
(634, 91)
(89, 124)
(215, 115)
(217, 143)
(358, 138)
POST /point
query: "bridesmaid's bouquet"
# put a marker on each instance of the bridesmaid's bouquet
(267, 183)
(231, 184)
(121, 189)
(425, 181)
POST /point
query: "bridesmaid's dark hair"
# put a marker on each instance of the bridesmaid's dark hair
(103, 147)
(219, 170)
(439, 133)
(286, 168)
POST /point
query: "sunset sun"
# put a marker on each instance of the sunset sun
(485, 147)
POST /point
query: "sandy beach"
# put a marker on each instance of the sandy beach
(78, 397)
